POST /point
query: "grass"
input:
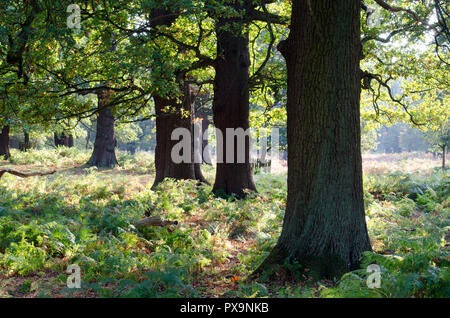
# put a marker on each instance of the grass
(86, 216)
(412, 162)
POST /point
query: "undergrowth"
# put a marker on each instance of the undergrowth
(87, 216)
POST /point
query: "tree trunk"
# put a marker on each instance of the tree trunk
(324, 226)
(4, 143)
(231, 102)
(443, 157)
(197, 148)
(206, 154)
(203, 113)
(26, 145)
(166, 122)
(88, 138)
(63, 140)
(104, 155)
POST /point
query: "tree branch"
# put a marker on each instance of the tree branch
(367, 77)
(388, 7)
(24, 174)
(256, 15)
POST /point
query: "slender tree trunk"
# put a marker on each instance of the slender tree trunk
(104, 154)
(231, 102)
(4, 143)
(88, 138)
(57, 139)
(202, 114)
(197, 148)
(166, 122)
(324, 226)
(443, 157)
(206, 154)
(26, 145)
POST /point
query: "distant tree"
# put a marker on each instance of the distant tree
(232, 85)
(440, 141)
(412, 139)
(128, 136)
(4, 142)
(389, 139)
(369, 136)
(63, 139)
(104, 154)
(401, 137)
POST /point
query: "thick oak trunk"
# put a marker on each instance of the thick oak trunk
(63, 140)
(104, 154)
(167, 120)
(324, 226)
(231, 103)
(4, 143)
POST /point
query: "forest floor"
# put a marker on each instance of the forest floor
(87, 216)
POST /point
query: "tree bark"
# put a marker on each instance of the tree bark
(231, 102)
(104, 154)
(4, 143)
(166, 122)
(324, 226)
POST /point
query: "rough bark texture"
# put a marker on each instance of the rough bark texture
(63, 140)
(104, 154)
(166, 122)
(4, 143)
(231, 101)
(324, 225)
